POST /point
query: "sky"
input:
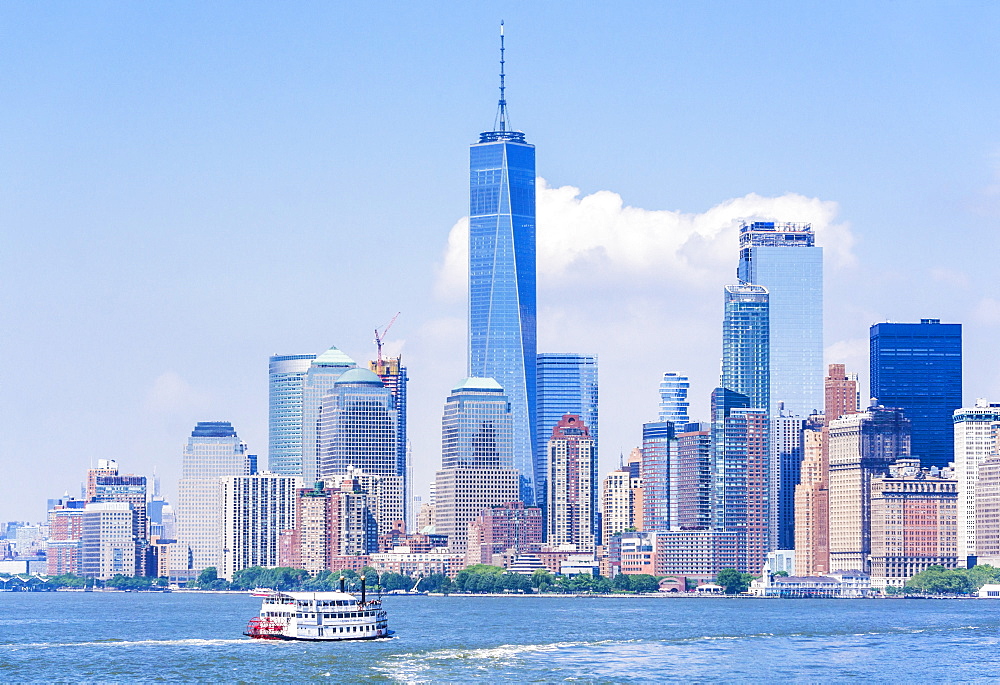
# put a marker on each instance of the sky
(187, 188)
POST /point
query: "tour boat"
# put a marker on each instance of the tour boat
(319, 616)
(261, 592)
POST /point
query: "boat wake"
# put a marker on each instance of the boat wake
(117, 642)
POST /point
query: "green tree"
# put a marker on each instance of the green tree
(542, 580)
(209, 580)
(643, 582)
(622, 583)
(733, 581)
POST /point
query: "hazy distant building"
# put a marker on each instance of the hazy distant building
(917, 367)
(286, 379)
(572, 514)
(976, 430)
(255, 509)
(213, 452)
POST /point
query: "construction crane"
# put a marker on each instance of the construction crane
(380, 338)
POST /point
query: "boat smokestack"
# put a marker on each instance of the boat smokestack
(342, 579)
(362, 589)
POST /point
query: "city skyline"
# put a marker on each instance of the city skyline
(167, 244)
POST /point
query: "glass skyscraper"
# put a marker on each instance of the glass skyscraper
(745, 344)
(358, 427)
(476, 427)
(917, 367)
(783, 258)
(502, 278)
(673, 399)
(322, 374)
(659, 445)
(567, 384)
(286, 377)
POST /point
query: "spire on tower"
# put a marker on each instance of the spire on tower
(501, 123)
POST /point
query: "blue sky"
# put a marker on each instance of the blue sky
(187, 188)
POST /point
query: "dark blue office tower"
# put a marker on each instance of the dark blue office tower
(502, 277)
(917, 367)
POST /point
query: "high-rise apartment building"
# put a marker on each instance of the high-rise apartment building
(509, 527)
(812, 505)
(988, 512)
(693, 474)
(116, 487)
(725, 469)
(476, 458)
(785, 467)
(659, 447)
(572, 515)
(394, 377)
(286, 379)
(745, 344)
(319, 380)
(107, 542)
(255, 509)
(617, 512)
(747, 484)
(783, 258)
(62, 554)
(502, 307)
(913, 522)
(862, 446)
(566, 384)
(976, 432)
(674, 403)
(213, 452)
(812, 495)
(917, 367)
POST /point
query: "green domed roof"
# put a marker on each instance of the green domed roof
(359, 376)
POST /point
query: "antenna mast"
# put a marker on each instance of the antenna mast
(502, 111)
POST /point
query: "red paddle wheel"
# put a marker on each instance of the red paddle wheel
(266, 628)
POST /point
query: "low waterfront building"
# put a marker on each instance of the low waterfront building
(699, 554)
(409, 563)
(418, 542)
(840, 584)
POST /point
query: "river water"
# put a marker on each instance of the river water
(179, 636)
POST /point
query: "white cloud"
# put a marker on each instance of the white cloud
(950, 277)
(597, 239)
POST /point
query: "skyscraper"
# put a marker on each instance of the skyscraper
(786, 464)
(862, 446)
(213, 452)
(659, 447)
(783, 258)
(746, 365)
(286, 378)
(673, 399)
(502, 308)
(693, 474)
(255, 509)
(572, 516)
(977, 430)
(917, 367)
(567, 384)
(393, 375)
(322, 374)
(476, 458)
